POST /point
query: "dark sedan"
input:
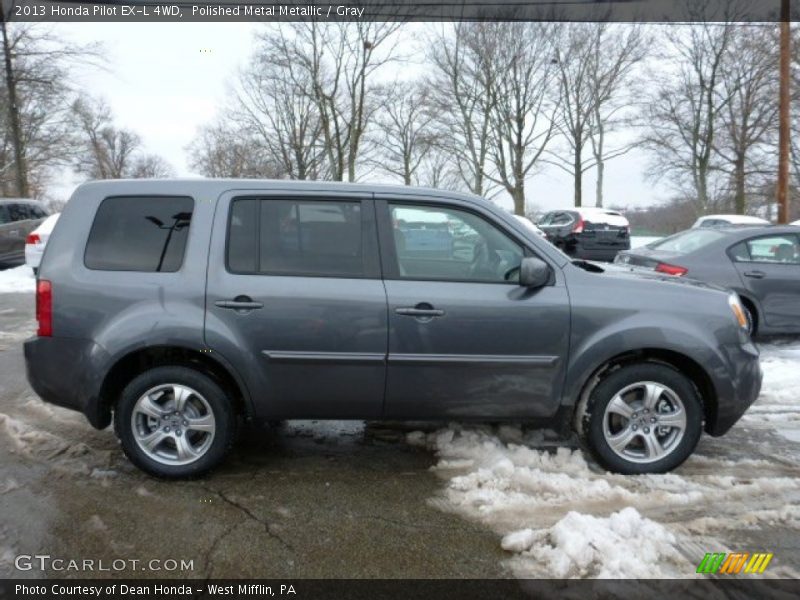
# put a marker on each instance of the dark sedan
(762, 264)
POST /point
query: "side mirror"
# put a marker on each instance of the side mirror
(533, 272)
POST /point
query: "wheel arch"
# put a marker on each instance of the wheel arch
(680, 362)
(136, 362)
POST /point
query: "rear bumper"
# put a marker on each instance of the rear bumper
(68, 372)
(737, 392)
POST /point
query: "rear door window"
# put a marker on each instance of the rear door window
(782, 249)
(296, 237)
(144, 233)
(19, 212)
(687, 241)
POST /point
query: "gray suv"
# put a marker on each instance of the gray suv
(179, 308)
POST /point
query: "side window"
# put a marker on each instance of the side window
(783, 249)
(740, 253)
(19, 212)
(145, 233)
(443, 243)
(562, 218)
(37, 213)
(296, 237)
(4, 216)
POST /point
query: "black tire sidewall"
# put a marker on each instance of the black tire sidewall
(605, 391)
(224, 416)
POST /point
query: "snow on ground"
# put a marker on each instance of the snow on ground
(559, 515)
(18, 279)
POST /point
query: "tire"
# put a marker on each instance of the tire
(170, 443)
(620, 414)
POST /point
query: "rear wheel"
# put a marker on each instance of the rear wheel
(643, 418)
(751, 319)
(174, 422)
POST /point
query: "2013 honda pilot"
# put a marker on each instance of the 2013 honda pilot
(178, 308)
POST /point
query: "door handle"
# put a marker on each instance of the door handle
(239, 303)
(423, 309)
(755, 274)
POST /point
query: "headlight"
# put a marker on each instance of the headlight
(738, 311)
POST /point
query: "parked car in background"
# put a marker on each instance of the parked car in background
(36, 242)
(729, 221)
(795, 223)
(174, 316)
(762, 264)
(18, 217)
(587, 233)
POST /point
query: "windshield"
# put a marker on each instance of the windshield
(687, 241)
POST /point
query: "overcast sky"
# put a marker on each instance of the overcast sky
(167, 79)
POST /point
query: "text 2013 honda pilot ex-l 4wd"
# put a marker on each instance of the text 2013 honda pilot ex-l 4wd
(177, 308)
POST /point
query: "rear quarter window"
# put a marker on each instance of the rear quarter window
(139, 233)
(687, 241)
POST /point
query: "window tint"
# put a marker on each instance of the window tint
(688, 241)
(242, 232)
(451, 244)
(296, 237)
(4, 216)
(783, 249)
(37, 213)
(139, 234)
(19, 212)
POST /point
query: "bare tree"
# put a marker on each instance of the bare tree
(104, 151)
(523, 86)
(335, 64)
(595, 63)
(223, 150)
(34, 103)
(404, 130)
(685, 113)
(272, 102)
(749, 120)
(462, 98)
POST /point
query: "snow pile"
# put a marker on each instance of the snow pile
(560, 515)
(623, 545)
(18, 279)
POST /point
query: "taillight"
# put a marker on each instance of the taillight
(44, 308)
(32, 238)
(671, 269)
(578, 226)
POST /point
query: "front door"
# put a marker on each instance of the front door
(294, 294)
(465, 340)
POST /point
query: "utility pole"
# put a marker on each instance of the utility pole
(783, 119)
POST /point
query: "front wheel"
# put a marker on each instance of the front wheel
(174, 422)
(643, 418)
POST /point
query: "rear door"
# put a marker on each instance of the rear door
(6, 227)
(16, 230)
(769, 267)
(295, 299)
(464, 341)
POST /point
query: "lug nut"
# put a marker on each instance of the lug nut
(646, 411)
(634, 427)
(185, 423)
(634, 415)
(178, 432)
(652, 419)
(647, 430)
(166, 428)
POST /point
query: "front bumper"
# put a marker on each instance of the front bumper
(736, 392)
(69, 372)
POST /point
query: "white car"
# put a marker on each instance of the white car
(795, 223)
(728, 220)
(529, 224)
(37, 240)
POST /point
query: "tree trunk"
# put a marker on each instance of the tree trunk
(578, 170)
(738, 176)
(13, 117)
(599, 186)
(518, 194)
